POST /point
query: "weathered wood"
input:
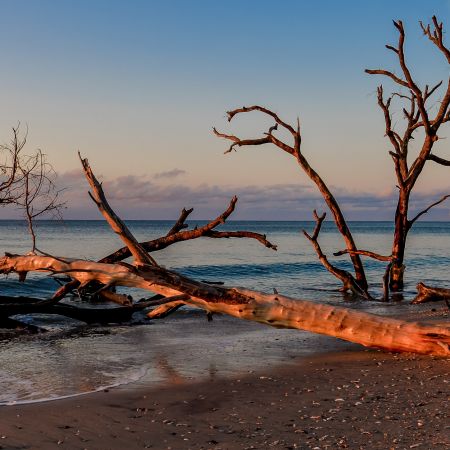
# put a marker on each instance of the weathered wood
(116, 224)
(177, 235)
(10, 306)
(431, 294)
(276, 310)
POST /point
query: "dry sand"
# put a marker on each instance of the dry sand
(348, 399)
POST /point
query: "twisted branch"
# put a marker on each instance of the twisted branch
(347, 278)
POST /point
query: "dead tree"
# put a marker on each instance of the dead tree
(275, 310)
(357, 283)
(10, 175)
(37, 192)
(419, 116)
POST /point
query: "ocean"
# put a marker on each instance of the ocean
(72, 358)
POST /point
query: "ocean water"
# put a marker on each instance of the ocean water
(56, 363)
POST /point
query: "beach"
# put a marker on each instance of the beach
(233, 384)
(352, 399)
(186, 383)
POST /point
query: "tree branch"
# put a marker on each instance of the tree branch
(436, 36)
(266, 111)
(117, 225)
(387, 74)
(439, 160)
(347, 278)
(180, 223)
(203, 231)
(368, 253)
(421, 213)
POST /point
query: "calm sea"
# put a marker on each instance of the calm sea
(119, 354)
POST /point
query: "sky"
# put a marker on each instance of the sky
(137, 86)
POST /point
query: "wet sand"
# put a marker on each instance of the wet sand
(349, 399)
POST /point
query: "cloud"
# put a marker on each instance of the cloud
(143, 197)
(169, 174)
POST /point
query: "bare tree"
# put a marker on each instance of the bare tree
(357, 283)
(419, 116)
(37, 193)
(10, 175)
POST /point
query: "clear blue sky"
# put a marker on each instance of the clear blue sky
(136, 86)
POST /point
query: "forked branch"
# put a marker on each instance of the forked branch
(206, 230)
(180, 223)
(347, 278)
(436, 36)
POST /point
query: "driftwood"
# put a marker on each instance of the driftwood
(10, 306)
(174, 235)
(275, 310)
(431, 294)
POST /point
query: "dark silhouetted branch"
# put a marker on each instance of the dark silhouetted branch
(295, 150)
(368, 253)
(437, 159)
(421, 213)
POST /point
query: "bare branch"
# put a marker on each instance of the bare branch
(428, 93)
(421, 213)
(439, 160)
(36, 191)
(268, 139)
(242, 142)
(266, 111)
(347, 278)
(393, 137)
(241, 234)
(436, 36)
(203, 231)
(10, 176)
(388, 74)
(180, 223)
(368, 253)
(117, 225)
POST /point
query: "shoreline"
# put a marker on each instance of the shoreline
(347, 399)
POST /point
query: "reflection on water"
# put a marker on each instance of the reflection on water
(72, 358)
(59, 364)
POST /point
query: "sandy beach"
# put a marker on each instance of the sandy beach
(350, 399)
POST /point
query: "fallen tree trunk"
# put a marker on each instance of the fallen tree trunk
(369, 330)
